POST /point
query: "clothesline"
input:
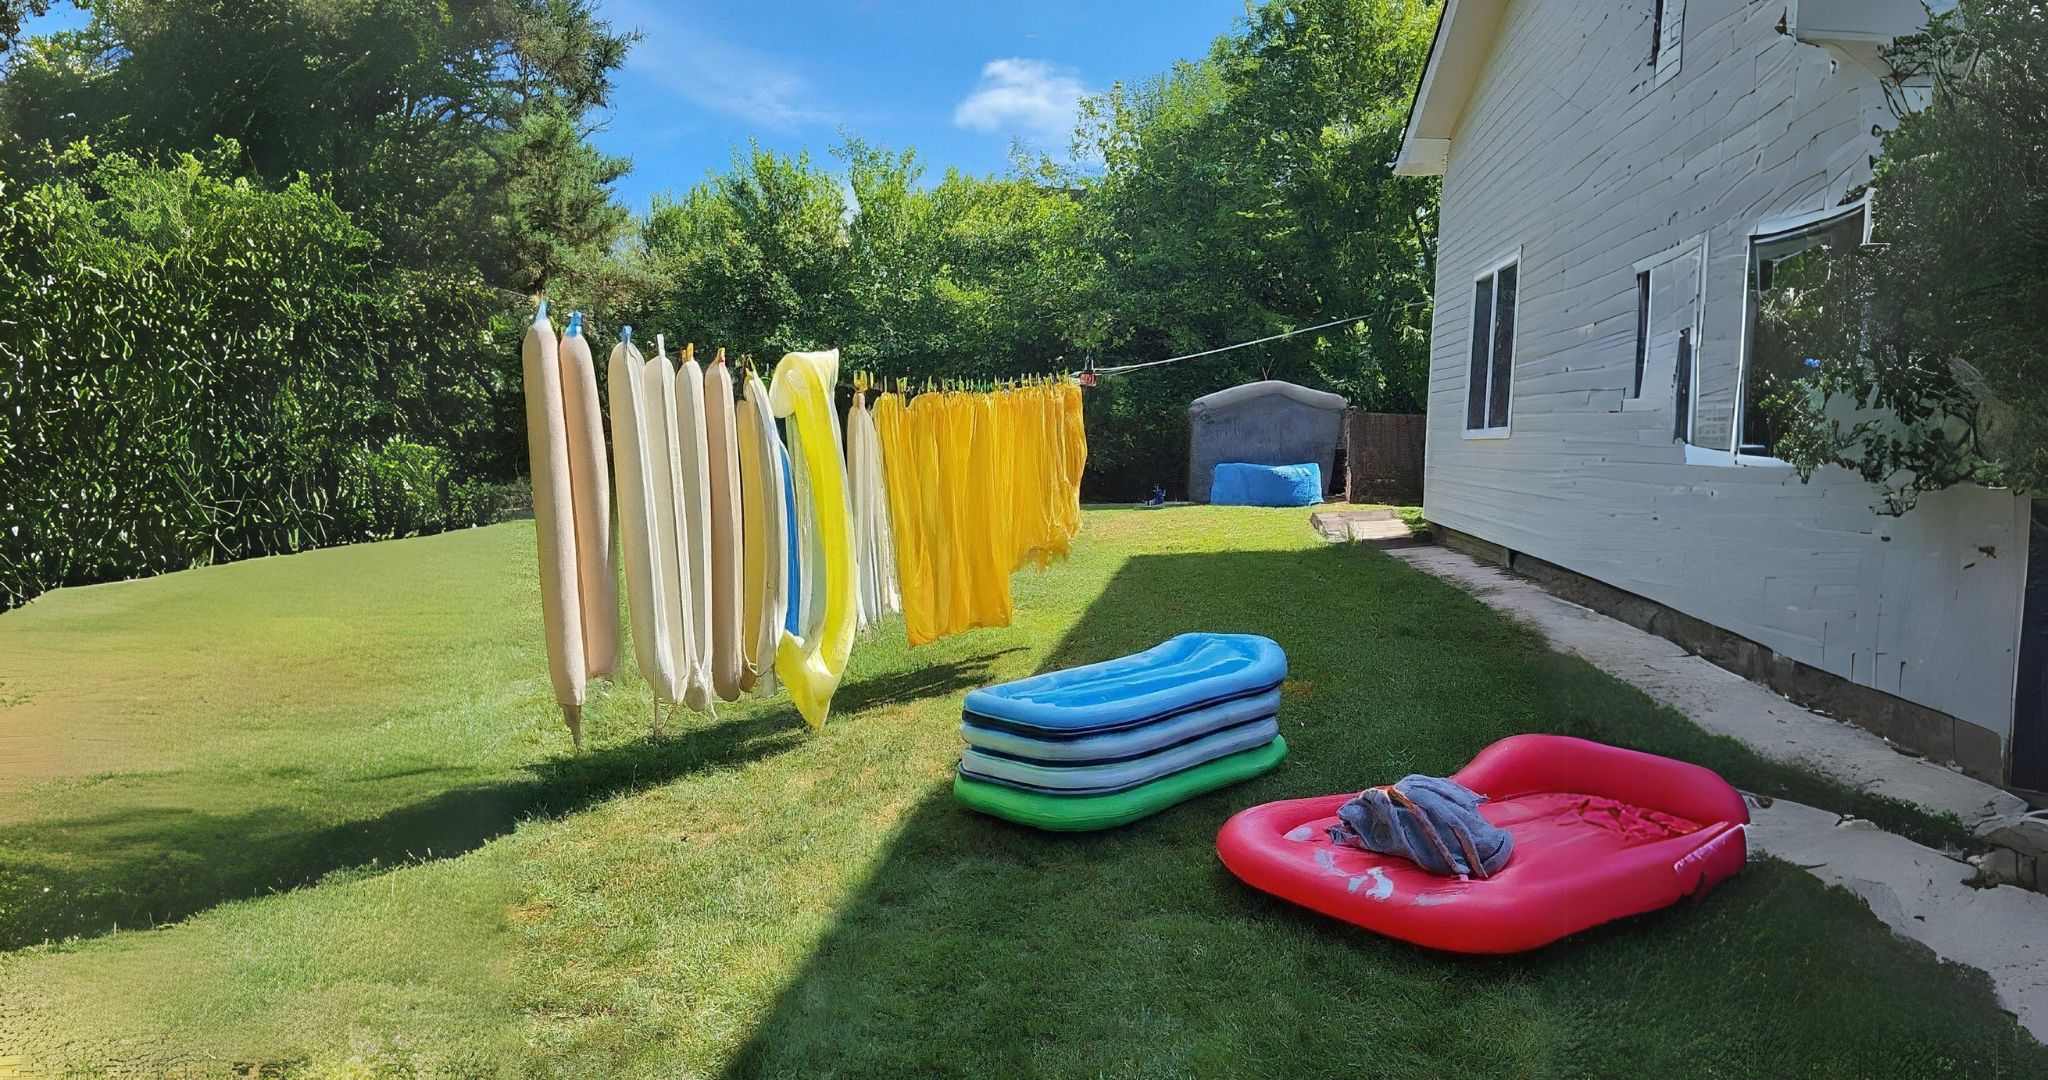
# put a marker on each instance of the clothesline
(864, 381)
(1120, 369)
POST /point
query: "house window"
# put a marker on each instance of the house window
(1642, 332)
(1785, 265)
(1667, 37)
(1491, 378)
(1669, 297)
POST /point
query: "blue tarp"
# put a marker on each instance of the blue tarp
(1238, 484)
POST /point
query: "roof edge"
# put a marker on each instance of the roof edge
(1458, 53)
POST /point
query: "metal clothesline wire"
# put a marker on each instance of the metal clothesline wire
(747, 361)
(1226, 348)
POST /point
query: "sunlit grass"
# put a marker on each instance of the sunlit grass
(743, 897)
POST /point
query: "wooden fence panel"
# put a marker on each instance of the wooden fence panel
(1383, 457)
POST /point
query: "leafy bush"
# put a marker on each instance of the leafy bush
(197, 369)
(407, 489)
(483, 502)
(400, 489)
(1931, 370)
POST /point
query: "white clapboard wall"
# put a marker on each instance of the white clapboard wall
(1578, 151)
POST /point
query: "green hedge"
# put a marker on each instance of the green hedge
(197, 369)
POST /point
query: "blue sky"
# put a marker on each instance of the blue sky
(959, 81)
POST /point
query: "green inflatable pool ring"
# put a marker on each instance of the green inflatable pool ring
(1085, 813)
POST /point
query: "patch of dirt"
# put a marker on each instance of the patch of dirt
(527, 914)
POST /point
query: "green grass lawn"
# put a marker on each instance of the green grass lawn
(340, 779)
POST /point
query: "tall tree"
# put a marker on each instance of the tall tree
(968, 277)
(751, 258)
(12, 14)
(1250, 194)
(447, 128)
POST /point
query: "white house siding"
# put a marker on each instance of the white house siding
(1571, 152)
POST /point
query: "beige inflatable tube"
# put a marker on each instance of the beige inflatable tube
(646, 601)
(753, 553)
(769, 540)
(554, 518)
(597, 579)
(728, 647)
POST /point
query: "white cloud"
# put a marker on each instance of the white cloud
(1035, 99)
(716, 74)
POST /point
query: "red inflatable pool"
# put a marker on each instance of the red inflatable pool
(1600, 833)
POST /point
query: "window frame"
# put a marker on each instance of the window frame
(1695, 248)
(1492, 270)
(1768, 231)
(1668, 23)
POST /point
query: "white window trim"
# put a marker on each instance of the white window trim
(1670, 42)
(1695, 247)
(1514, 259)
(1646, 318)
(1692, 396)
(1767, 229)
(1704, 455)
(1671, 254)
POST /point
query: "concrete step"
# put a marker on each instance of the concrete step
(1381, 528)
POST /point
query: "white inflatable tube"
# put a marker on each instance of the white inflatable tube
(664, 457)
(874, 547)
(693, 515)
(646, 600)
(856, 487)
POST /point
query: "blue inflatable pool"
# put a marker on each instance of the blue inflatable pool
(1179, 676)
(1238, 484)
(1114, 776)
(1126, 744)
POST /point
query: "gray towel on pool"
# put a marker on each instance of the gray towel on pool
(1376, 822)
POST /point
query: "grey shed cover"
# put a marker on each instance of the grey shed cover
(1262, 423)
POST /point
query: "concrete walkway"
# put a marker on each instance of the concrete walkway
(1917, 891)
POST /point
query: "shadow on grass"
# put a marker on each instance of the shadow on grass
(916, 684)
(982, 948)
(148, 865)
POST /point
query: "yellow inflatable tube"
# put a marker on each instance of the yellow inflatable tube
(812, 667)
